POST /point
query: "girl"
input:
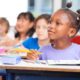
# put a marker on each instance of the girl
(24, 29)
(4, 27)
(24, 26)
(41, 27)
(64, 25)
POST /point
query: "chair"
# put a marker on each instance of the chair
(76, 39)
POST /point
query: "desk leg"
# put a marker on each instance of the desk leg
(41, 75)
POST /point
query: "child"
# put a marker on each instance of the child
(41, 27)
(24, 29)
(4, 27)
(64, 25)
(24, 26)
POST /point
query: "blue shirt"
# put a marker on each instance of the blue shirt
(31, 43)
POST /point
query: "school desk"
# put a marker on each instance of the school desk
(39, 71)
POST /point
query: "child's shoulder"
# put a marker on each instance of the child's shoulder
(76, 46)
(30, 42)
(47, 47)
(32, 39)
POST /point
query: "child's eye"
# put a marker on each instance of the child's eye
(57, 23)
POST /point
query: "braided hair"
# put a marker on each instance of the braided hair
(74, 17)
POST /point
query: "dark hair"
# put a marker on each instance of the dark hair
(73, 16)
(27, 16)
(43, 16)
(3, 20)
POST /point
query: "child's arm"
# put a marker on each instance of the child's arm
(7, 43)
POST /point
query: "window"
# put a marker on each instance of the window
(40, 6)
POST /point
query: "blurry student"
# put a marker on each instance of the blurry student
(64, 25)
(24, 28)
(41, 27)
(4, 27)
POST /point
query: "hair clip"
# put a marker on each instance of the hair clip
(69, 4)
(78, 18)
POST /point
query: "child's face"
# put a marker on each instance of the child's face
(23, 25)
(60, 26)
(42, 29)
(3, 28)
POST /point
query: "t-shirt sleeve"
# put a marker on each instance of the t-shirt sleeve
(42, 56)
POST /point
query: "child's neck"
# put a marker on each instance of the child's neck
(61, 44)
(43, 42)
(22, 36)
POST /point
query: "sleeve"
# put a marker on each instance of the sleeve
(42, 56)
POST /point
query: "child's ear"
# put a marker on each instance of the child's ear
(72, 32)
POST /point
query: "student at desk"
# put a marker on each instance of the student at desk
(41, 26)
(4, 28)
(64, 25)
(24, 29)
(24, 26)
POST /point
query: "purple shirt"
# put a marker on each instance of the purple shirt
(70, 53)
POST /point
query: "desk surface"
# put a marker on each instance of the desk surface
(41, 67)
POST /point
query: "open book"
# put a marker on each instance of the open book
(63, 62)
(17, 51)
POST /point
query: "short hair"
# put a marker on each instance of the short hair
(46, 17)
(3, 20)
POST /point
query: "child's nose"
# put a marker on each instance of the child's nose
(51, 26)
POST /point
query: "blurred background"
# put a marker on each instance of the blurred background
(11, 8)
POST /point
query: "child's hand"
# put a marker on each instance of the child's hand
(7, 43)
(33, 55)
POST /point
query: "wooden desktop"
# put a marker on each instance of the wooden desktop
(42, 71)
